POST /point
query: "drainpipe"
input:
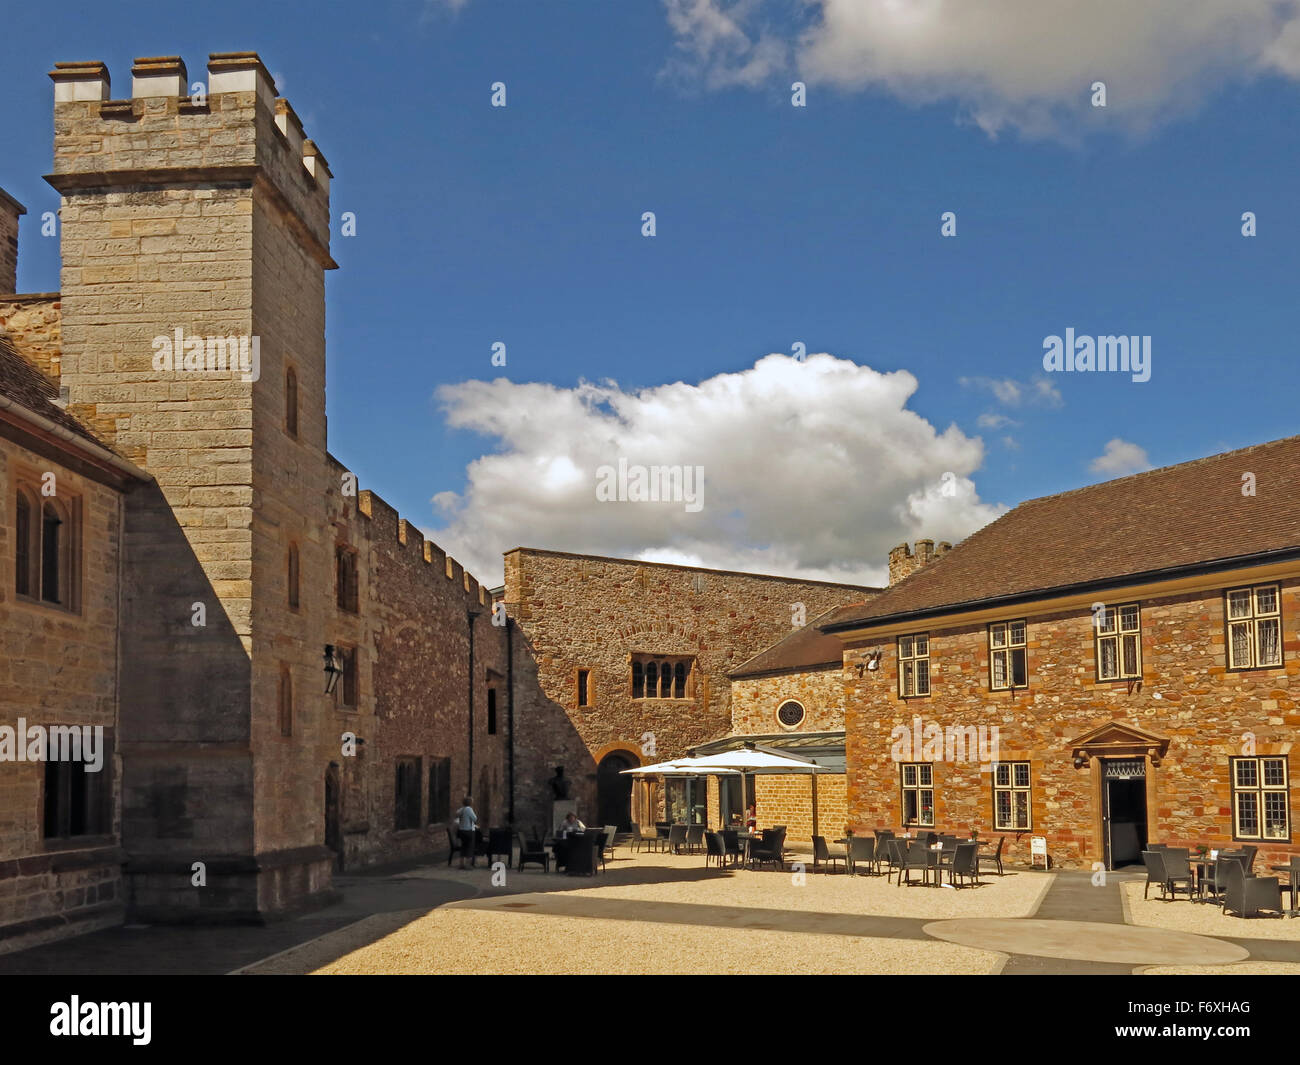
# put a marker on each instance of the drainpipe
(510, 715)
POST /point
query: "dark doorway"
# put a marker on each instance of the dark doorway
(333, 834)
(1125, 797)
(614, 791)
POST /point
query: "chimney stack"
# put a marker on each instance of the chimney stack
(10, 211)
(903, 561)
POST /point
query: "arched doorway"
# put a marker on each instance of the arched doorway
(614, 791)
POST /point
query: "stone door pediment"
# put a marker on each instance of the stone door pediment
(1115, 739)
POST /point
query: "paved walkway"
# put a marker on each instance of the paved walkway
(1077, 928)
(214, 950)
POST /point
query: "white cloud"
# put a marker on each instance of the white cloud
(1011, 443)
(713, 47)
(1120, 457)
(1011, 393)
(1022, 64)
(813, 469)
(431, 9)
(993, 421)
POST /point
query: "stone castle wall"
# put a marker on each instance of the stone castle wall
(579, 612)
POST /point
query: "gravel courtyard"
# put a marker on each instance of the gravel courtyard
(658, 913)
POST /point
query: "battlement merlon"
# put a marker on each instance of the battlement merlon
(237, 132)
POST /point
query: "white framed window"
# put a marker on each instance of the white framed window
(914, 665)
(1008, 656)
(1254, 618)
(1261, 799)
(917, 787)
(1011, 807)
(1118, 631)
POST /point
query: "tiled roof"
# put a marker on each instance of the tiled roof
(1181, 516)
(28, 387)
(804, 648)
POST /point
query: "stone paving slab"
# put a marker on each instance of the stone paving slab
(1088, 941)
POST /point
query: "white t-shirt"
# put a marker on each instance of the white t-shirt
(466, 818)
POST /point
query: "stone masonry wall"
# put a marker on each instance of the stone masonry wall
(754, 701)
(1187, 695)
(57, 667)
(788, 800)
(33, 324)
(413, 647)
(593, 613)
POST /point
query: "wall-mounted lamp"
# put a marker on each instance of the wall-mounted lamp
(333, 669)
(872, 663)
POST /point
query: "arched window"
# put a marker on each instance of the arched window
(23, 543)
(679, 681)
(286, 702)
(638, 681)
(53, 544)
(293, 576)
(651, 680)
(291, 402)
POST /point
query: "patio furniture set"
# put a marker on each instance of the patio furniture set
(727, 847)
(1224, 877)
(928, 856)
(578, 854)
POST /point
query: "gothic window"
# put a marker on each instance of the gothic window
(663, 677)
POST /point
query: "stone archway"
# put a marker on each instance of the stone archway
(614, 789)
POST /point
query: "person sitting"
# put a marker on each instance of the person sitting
(570, 826)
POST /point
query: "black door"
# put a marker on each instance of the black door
(614, 791)
(1126, 820)
(333, 835)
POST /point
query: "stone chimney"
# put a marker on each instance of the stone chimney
(10, 211)
(903, 561)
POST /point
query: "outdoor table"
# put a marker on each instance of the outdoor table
(1291, 885)
(745, 837)
(848, 853)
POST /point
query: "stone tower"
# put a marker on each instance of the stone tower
(195, 236)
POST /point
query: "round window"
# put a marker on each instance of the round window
(790, 714)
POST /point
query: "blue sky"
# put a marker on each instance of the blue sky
(775, 224)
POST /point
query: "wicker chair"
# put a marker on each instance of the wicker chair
(916, 856)
(995, 857)
(1247, 895)
(965, 865)
(822, 853)
(862, 851)
(533, 853)
(1158, 873)
(714, 849)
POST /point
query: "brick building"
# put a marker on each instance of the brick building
(1133, 643)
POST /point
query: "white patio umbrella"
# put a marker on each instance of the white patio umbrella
(764, 763)
(748, 760)
(681, 767)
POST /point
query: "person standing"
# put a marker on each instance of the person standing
(467, 827)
